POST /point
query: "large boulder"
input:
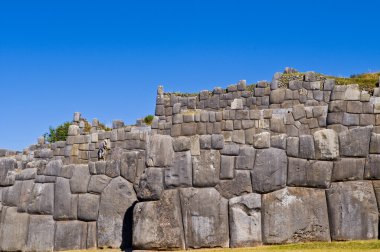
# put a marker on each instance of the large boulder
(13, 229)
(115, 200)
(41, 200)
(348, 169)
(41, 233)
(180, 173)
(206, 168)
(302, 172)
(205, 218)
(355, 142)
(326, 144)
(353, 211)
(7, 166)
(88, 207)
(80, 179)
(158, 224)
(160, 151)
(11, 195)
(132, 165)
(295, 215)
(65, 203)
(151, 184)
(269, 171)
(98, 183)
(239, 185)
(372, 169)
(245, 220)
(70, 235)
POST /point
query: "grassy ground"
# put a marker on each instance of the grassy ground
(366, 81)
(351, 246)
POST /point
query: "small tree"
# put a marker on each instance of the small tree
(148, 119)
(58, 134)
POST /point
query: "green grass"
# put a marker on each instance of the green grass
(373, 245)
(350, 246)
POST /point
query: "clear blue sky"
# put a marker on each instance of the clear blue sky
(106, 58)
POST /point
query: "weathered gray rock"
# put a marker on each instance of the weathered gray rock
(120, 195)
(355, 142)
(45, 179)
(227, 167)
(277, 96)
(295, 215)
(181, 144)
(269, 171)
(206, 168)
(353, 211)
(43, 153)
(237, 104)
(180, 173)
(319, 174)
(151, 184)
(131, 165)
(230, 149)
(278, 141)
(299, 112)
(326, 144)
(65, 203)
(7, 165)
(13, 229)
(80, 179)
(246, 158)
(348, 169)
(374, 147)
(237, 186)
(70, 235)
(52, 168)
(313, 174)
(98, 183)
(88, 207)
(372, 168)
(245, 220)
(205, 218)
(91, 235)
(160, 151)
(113, 168)
(261, 140)
(27, 174)
(205, 142)
(306, 147)
(40, 233)
(352, 93)
(25, 195)
(217, 141)
(11, 195)
(292, 146)
(41, 200)
(158, 225)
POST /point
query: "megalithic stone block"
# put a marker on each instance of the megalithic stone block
(13, 229)
(205, 218)
(270, 170)
(295, 215)
(158, 224)
(41, 233)
(115, 200)
(245, 220)
(353, 211)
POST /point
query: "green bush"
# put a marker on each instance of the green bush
(148, 119)
(57, 134)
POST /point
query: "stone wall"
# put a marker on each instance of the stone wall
(235, 167)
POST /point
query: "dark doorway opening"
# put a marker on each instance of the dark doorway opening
(127, 232)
